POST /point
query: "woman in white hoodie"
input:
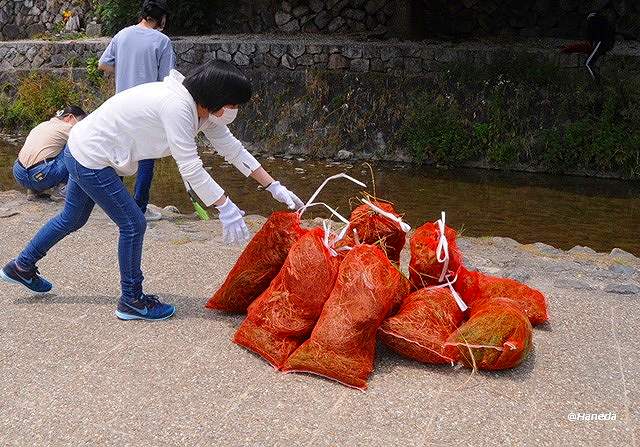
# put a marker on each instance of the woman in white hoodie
(149, 121)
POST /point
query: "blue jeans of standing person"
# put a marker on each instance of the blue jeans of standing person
(44, 175)
(87, 187)
(143, 183)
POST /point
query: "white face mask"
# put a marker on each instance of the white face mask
(228, 115)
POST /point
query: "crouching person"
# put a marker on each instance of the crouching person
(40, 165)
(149, 121)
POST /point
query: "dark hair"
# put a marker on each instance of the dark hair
(154, 9)
(217, 83)
(71, 110)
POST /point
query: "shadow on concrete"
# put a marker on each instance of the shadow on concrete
(187, 307)
(387, 361)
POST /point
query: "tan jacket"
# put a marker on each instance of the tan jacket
(46, 140)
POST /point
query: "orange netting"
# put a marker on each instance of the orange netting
(466, 285)
(283, 316)
(424, 268)
(498, 336)
(342, 344)
(259, 263)
(375, 229)
(530, 301)
(422, 326)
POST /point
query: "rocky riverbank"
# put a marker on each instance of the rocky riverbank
(71, 373)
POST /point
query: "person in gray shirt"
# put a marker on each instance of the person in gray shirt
(139, 54)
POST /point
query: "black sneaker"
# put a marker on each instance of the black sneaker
(147, 307)
(31, 279)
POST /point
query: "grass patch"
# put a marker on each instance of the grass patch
(521, 112)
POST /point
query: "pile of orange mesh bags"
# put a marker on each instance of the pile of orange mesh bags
(317, 301)
(460, 316)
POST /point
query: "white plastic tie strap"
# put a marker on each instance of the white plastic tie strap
(459, 301)
(326, 225)
(327, 180)
(442, 252)
(403, 225)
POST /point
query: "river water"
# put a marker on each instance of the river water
(562, 211)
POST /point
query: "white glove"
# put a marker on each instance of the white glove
(283, 195)
(234, 230)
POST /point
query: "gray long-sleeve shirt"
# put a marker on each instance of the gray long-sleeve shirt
(140, 55)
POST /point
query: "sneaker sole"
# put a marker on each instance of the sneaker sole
(5, 278)
(129, 317)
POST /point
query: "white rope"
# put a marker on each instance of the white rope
(442, 252)
(459, 301)
(326, 226)
(327, 180)
(403, 225)
(334, 212)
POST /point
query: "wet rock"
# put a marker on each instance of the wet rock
(622, 289)
(547, 249)
(520, 275)
(625, 270)
(505, 242)
(570, 283)
(620, 253)
(579, 249)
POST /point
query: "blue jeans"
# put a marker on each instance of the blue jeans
(44, 176)
(87, 187)
(143, 183)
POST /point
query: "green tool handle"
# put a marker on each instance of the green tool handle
(200, 211)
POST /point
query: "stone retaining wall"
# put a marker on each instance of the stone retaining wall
(26, 18)
(374, 18)
(291, 54)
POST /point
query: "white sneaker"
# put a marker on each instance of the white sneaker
(151, 215)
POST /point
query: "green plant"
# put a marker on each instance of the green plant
(438, 131)
(94, 74)
(37, 98)
(116, 14)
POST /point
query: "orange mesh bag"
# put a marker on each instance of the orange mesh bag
(280, 319)
(422, 326)
(343, 342)
(466, 285)
(424, 267)
(497, 336)
(376, 229)
(259, 263)
(530, 301)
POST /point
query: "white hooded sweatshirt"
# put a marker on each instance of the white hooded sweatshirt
(155, 120)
